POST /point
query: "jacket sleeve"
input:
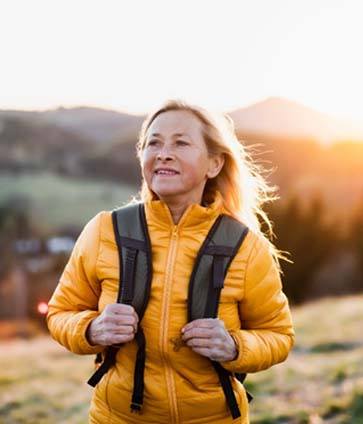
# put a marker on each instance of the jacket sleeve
(267, 335)
(74, 303)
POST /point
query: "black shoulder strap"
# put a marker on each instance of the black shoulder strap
(134, 248)
(214, 258)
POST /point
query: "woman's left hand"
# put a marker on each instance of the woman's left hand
(209, 337)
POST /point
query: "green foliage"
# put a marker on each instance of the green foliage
(356, 408)
(305, 234)
(54, 201)
(340, 375)
(332, 346)
(355, 238)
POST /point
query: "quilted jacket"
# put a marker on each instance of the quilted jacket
(181, 386)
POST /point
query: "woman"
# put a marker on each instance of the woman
(193, 170)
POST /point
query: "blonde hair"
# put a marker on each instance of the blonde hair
(240, 181)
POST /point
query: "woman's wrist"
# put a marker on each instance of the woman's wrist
(236, 347)
(89, 335)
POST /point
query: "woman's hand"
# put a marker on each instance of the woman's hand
(209, 337)
(117, 324)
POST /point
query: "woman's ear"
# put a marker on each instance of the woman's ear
(216, 163)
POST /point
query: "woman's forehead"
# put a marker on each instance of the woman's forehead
(175, 122)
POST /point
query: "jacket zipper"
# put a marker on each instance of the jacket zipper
(165, 326)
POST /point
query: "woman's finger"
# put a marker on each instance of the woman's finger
(124, 320)
(123, 329)
(197, 332)
(120, 338)
(198, 342)
(121, 309)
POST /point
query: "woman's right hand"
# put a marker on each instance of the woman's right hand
(117, 324)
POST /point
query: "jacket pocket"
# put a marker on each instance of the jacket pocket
(210, 407)
(100, 402)
(242, 399)
(107, 384)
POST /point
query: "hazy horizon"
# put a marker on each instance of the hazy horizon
(130, 56)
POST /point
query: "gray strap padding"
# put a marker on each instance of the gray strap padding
(216, 254)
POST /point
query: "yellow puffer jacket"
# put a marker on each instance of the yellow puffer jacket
(181, 386)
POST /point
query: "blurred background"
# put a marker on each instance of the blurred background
(76, 81)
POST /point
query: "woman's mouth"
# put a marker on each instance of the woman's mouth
(166, 173)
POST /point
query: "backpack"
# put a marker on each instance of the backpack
(206, 282)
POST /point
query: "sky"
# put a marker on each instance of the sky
(132, 55)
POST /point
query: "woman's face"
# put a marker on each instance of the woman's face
(174, 141)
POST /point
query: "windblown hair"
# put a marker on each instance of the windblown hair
(240, 181)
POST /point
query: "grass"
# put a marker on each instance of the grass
(56, 200)
(43, 383)
(320, 382)
(322, 378)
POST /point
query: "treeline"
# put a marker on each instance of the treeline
(327, 253)
(326, 250)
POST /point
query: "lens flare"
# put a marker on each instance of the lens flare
(42, 308)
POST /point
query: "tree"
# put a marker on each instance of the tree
(307, 237)
(355, 239)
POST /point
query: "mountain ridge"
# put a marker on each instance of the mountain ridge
(272, 117)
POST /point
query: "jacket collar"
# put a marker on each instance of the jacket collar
(158, 213)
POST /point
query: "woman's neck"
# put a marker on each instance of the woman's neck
(178, 206)
(177, 211)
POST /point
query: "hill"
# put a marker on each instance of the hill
(273, 117)
(321, 380)
(284, 119)
(99, 144)
(53, 201)
(96, 124)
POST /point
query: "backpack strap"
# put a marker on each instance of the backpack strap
(211, 265)
(134, 248)
(213, 260)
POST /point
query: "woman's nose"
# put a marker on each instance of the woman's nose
(165, 153)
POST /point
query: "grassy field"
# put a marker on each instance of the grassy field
(320, 382)
(57, 200)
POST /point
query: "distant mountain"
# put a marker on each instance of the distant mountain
(274, 118)
(280, 118)
(59, 141)
(36, 145)
(96, 124)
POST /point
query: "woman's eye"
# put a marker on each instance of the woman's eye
(179, 142)
(152, 142)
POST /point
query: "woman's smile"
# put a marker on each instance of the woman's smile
(166, 171)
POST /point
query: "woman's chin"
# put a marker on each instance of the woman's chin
(165, 191)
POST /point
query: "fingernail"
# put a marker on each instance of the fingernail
(182, 330)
